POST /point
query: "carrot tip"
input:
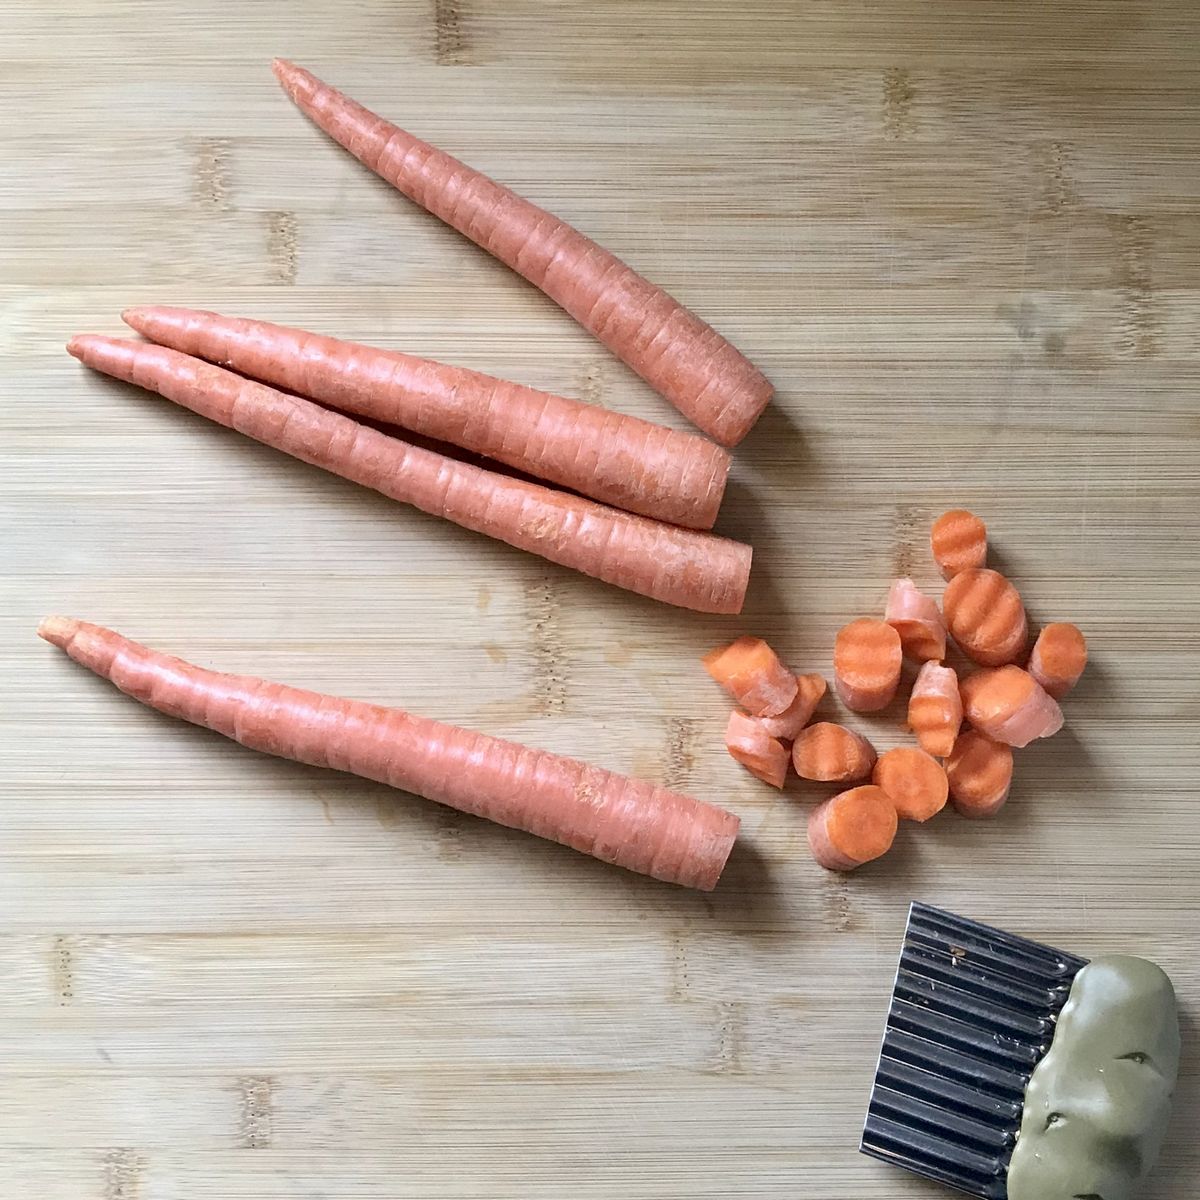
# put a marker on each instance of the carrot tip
(75, 346)
(57, 630)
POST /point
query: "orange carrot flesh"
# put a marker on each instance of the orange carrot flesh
(616, 459)
(985, 617)
(761, 754)
(809, 691)
(866, 664)
(979, 772)
(1008, 705)
(935, 711)
(753, 675)
(674, 351)
(628, 822)
(852, 828)
(830, 753)
(1059, 657)
(678, 566)
(916, 618)
(958, 540)
(914, 781)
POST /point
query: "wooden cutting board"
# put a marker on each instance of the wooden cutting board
(962, 239)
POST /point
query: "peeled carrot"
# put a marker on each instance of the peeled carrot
(914, 781)
(979, 772)
(674, 351)
(633, 824)
(935, 711)
(832, 753)
(809, 690)
(1058, 658)
(958, 540)
(916, 618)
(678, 566)
(866, 664)
(753, 675)
(852, 828)
(985, 617)
(619, 460)
(1009, 705)
(761, 754)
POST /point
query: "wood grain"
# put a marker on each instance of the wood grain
(963, 240)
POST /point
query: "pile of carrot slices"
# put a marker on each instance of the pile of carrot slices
(1005, 705)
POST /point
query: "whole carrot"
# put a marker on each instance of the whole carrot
(679, 566)
(674, 351)
(619, 460)
(628, 822)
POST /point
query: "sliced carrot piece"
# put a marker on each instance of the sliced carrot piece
(809, 691)
(918, 620)
(935, 710)
(866, 664)
(958, 540)
(1058, 658)
(832, 753)
(757, 751)
(852, 828)
(1010, 706)
(913, 780)
(985, 615)
(979, 772)
(753, 675)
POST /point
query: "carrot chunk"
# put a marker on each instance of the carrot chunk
(809, 691)
(985, 616)
(1010, 706)
(866, 664)
(918, 621)
(915, 782)
(757, 751)
(852, 828)
(979, 772)
(1058, 658)
(832, 753)
(935, 710)
(750, 671)
(958, 540)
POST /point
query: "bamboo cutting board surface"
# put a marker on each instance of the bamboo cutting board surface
(962, 239)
